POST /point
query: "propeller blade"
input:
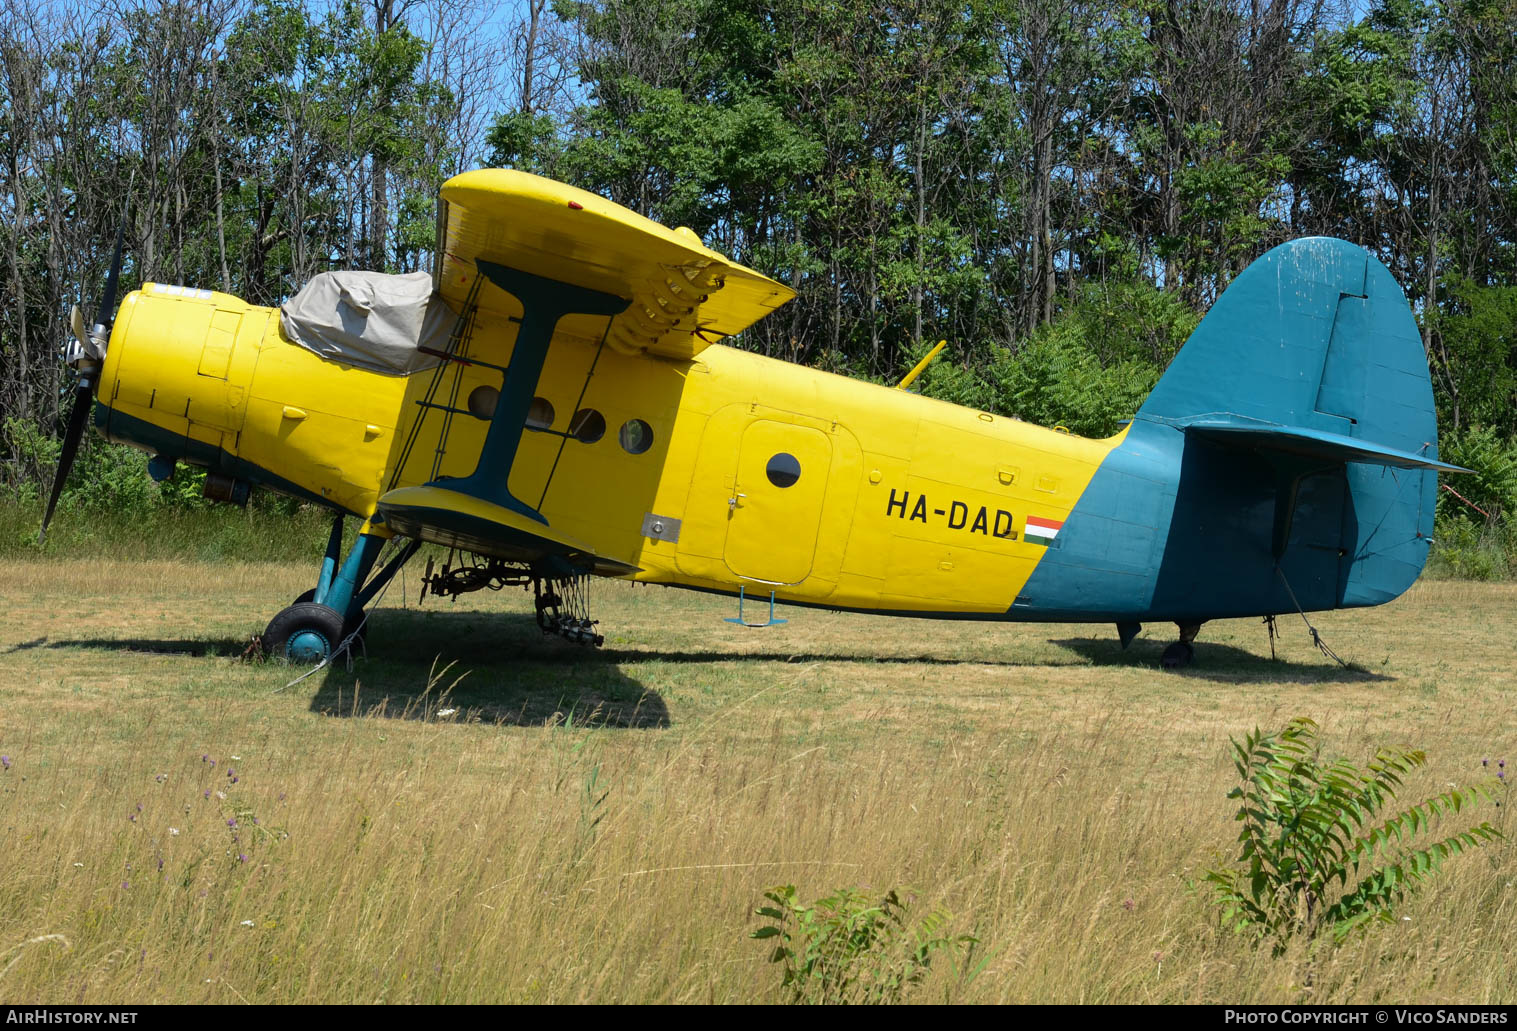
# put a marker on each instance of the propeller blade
(87, 346)
(93, 344)
(78, 419)
(76, 323)
(105, 315)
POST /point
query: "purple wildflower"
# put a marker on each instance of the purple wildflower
(1501, 763)
(242, 857)
(1501, 774)
(125, 885)
(234, 780)
(207, 794)
(232, 823)
(5, 761)
(205, 758)
(1485, 762)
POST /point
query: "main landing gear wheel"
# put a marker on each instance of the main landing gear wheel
(355, 620)
(304, 634)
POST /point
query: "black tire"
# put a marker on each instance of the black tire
(355, 616)
(304, 633)
(1177, 655)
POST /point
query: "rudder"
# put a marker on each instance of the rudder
(1313, 352)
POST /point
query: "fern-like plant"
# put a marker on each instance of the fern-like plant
(1318, 853)
(848, 948)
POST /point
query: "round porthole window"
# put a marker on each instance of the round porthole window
(539, 414)
(588, 426)
(783, 470)
(636, 436)
(482, 401)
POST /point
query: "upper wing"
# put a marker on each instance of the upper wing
(683, 295)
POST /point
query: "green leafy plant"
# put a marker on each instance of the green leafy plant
(1492, 490)
(848, 948)
(1317, 852)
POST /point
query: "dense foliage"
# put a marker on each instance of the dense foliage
(1058, 187)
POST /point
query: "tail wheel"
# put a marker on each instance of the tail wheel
(1177, 655)
(305, 633)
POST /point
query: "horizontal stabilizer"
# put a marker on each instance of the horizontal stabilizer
(1236, 431)
(458, 520)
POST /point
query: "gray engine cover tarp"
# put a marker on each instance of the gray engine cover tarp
(370, 320)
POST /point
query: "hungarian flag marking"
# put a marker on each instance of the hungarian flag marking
(1042, 531)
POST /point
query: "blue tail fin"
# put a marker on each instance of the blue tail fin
(1311, 362)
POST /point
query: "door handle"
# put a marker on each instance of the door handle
(732, 501)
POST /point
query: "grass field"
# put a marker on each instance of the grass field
(551, 824)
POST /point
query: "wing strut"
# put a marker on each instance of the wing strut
(544, 302)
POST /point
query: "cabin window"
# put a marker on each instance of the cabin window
(482, 401)
(539, 414)
(783, 470)
(588, 426)
(636, 436)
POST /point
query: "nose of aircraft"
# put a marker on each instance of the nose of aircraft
(171, 383)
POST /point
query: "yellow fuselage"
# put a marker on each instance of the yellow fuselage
(902, 503)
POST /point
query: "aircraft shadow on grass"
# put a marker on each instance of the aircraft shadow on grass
(1220, 662)
(485, 666)
(508, 647)
(499, 668)
(199, 648)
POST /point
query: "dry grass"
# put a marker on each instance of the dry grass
(598, 826)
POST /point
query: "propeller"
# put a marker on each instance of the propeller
(89, 357)
(76, 325)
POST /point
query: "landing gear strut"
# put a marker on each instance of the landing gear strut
(1181, 652)
(323, 621)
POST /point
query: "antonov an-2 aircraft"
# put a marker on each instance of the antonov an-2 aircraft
(551, 402)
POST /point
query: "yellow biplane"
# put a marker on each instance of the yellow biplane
(552, 403)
